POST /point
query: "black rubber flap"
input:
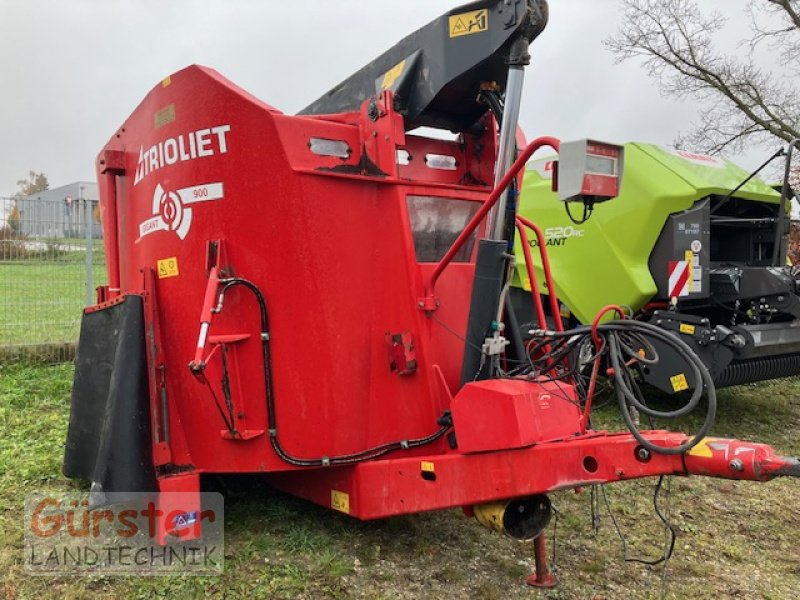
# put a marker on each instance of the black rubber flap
(108, 441)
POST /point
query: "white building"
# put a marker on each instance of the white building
(60, 212)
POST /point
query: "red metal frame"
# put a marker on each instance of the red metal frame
(110, 164)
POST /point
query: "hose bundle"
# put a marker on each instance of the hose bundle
(624, 346)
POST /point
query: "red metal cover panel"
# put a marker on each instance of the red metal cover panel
(502, 414)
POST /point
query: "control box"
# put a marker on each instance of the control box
(588, 171)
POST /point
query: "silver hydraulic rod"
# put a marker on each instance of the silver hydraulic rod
(507, 147)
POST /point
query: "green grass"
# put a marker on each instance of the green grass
(737, 539)
(41, 301)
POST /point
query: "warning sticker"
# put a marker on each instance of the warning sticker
(703, 449)
(679, 277)
(427, 466)
(469, 22)
(689, 258)
(687, 329)
(168, 267)
(340, 501)
(392, 75)
(679, 382)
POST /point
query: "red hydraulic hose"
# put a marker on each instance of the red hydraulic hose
(548, 275)
(596, 321)
(537, 299)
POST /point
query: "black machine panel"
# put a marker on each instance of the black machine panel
(680, 259)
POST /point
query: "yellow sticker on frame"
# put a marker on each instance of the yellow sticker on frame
(468, 23)
(393, 75)
(688, 256)
(679, 382)
(340, 501)
(702, 449)
(687, 329)
(168, 267)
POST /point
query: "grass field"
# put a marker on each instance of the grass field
(737, 540)
(41, 300)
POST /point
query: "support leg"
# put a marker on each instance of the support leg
(542, 578)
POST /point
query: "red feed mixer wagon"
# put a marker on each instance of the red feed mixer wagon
(322, 299)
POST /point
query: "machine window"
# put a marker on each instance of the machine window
(436, 223)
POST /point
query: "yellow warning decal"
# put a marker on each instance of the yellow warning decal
(469, 22)
(564, 312)
(688, 256)
(166, 81)
(526, 284)
(168, 267)
(702, 449)
(679, 382)
(427, 466)
(340, 501)
(393, 75)
(687, 329)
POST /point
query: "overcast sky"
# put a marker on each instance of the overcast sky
(72, 71)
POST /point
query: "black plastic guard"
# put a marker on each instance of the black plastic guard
(108, 441)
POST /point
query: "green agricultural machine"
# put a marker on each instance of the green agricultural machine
(691, 245)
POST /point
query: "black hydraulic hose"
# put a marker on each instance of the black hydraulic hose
(621, 341)
(495, 103)
(515, 333)
(325, 461)
(625, 395)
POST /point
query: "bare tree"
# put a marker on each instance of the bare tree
(743, 103)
